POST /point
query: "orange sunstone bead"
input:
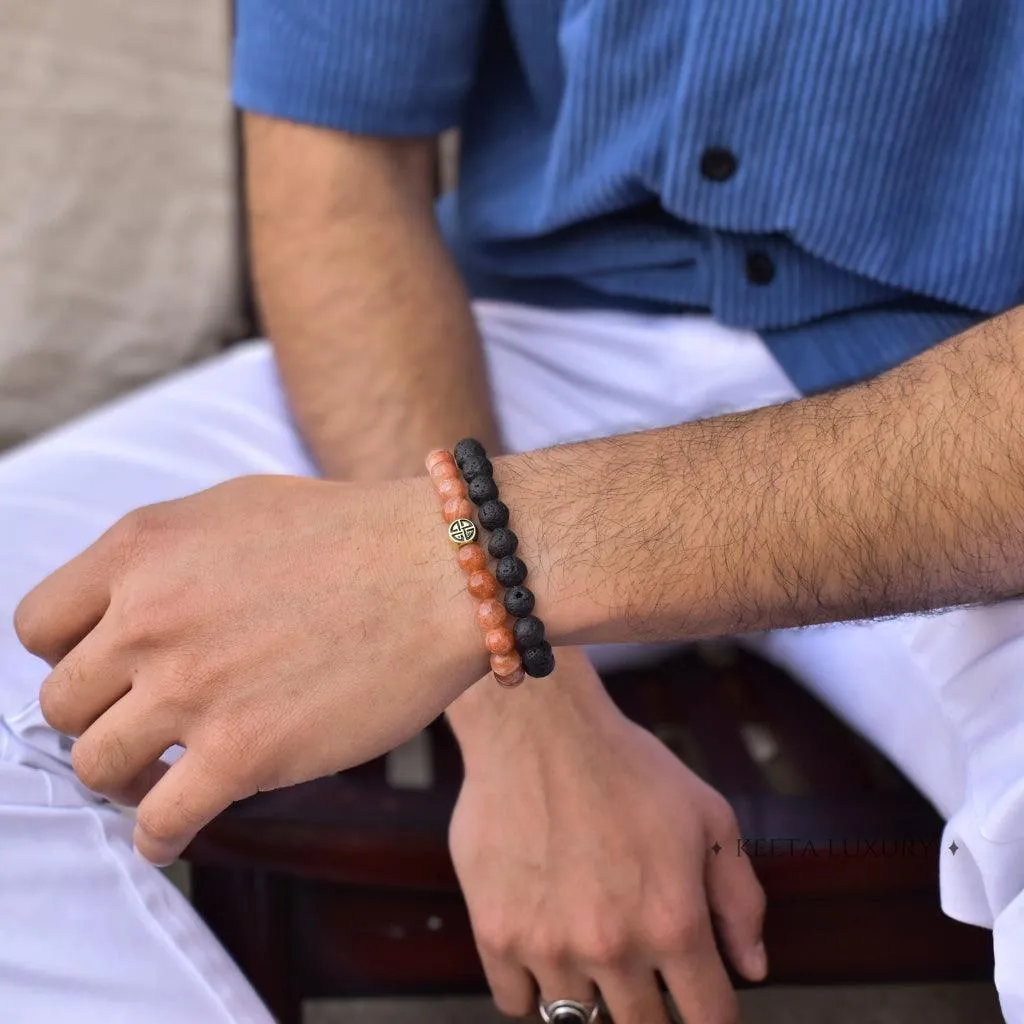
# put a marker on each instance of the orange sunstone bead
(457, 508)
(437, 457)
(505, 664)
(451, 487)
(514, 679)
(472, 558)
(482, 584)
(500, 640)
(445, 471)
(491, 614)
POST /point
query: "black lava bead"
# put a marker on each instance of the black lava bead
(493, 515)
(503, 542)
(539, 661)
(528, 631)
(510, 571)
(519, 601)
(482, 489)
(476, 465)
(465, 448)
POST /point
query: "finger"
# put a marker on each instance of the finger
(118, 755)
(52, 618)
(633, 997)
(188, 797)
(562, 980)
(737, 903)
(85, 683)
(696, 977)
(511, 986)
(134, 792)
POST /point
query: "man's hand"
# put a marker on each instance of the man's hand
(583, 849)
(280, 629)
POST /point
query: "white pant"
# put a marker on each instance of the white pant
(89, 933)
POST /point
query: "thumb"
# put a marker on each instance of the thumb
(737, 904)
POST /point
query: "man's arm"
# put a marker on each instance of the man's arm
(902, 494)
(370, 323)
(905, 493)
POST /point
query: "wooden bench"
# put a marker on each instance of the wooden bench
(343, 887)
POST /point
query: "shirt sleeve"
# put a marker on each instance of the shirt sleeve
(375, 67)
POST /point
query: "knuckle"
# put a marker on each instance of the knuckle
(59, 697)
(690, 932)
(27, 625)
(144, 613)
(146, 522)
(605, 944)
(158, 825)
(672, 932)
(99, 766)
(87, 769)
(131, 532)
(547, 949)
(135, 535)
(54, 707)
(135, 618)
(667, 940)
(495, 940)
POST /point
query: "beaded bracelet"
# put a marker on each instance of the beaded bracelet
(506, 664)
(516, 650)
(538, 659)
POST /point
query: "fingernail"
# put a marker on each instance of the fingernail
(156, 863)
(757, 961)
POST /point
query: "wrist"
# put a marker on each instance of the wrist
(568, 601)
(448, 609)
(538, 715)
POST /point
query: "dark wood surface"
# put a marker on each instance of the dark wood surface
(344, 886)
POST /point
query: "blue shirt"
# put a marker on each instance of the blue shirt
(845, 177)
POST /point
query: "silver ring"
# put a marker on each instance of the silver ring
(568, 1011)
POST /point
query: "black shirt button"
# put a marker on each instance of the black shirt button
(718, 164)
(760, 268)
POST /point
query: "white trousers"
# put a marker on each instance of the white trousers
(89, 933)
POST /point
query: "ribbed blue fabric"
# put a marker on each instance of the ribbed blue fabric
(879, 149)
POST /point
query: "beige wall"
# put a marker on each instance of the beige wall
(117, 200)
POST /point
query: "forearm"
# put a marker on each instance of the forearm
(906, 493)
(370, 323)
